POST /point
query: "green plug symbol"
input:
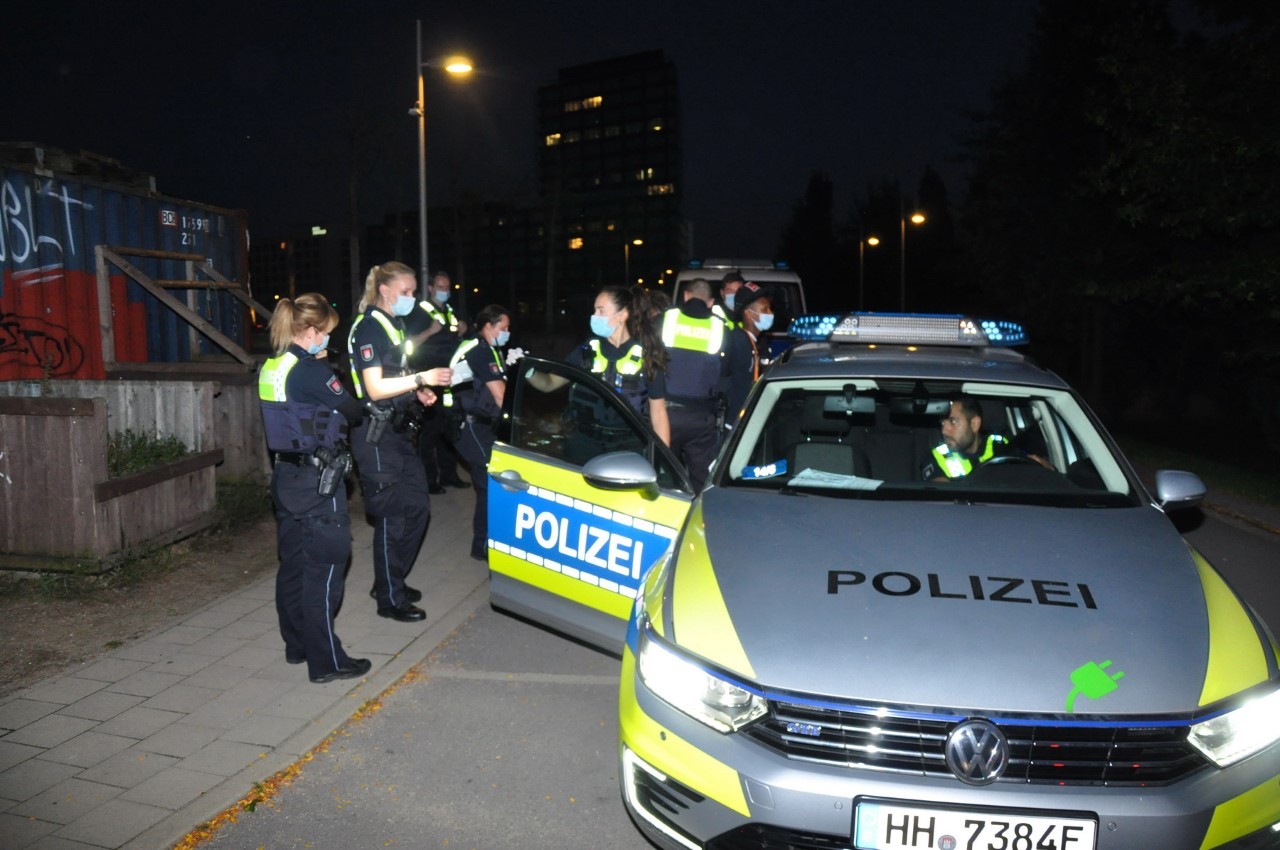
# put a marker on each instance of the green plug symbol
(1092, 680)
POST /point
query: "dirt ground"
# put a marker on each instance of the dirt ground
(47, 629)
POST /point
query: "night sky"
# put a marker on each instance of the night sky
(255, 105)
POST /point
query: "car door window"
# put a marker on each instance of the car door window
(566, 414)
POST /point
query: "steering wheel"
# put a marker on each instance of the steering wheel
(1005, 459)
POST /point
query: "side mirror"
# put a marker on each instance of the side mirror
(1177, 490)
(620, 471)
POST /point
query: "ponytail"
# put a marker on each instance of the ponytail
(379, 275)
(635, 301)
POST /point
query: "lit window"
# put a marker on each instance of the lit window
(656, 125)
(553, 139)
(644, 174)
(575, 244)
(593, 102)
(661, 189)
(573, 106)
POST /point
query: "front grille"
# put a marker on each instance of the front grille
(1061, 754)
(756, 836)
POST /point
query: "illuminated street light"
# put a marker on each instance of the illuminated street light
(626, 259)
(916, 218)
(873, 241)
(458, 66)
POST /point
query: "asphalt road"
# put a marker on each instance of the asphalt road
(507, 740)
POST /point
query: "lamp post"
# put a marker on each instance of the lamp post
(916, 218)
(873, 241)
(458, 66)
(626, 259)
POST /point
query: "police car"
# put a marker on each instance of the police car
(831, 648)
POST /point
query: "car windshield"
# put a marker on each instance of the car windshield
(884, 439)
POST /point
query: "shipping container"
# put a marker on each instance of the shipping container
(58, 213)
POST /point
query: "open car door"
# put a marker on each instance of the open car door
(583, 499)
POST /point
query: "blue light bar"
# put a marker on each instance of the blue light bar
(907, 329)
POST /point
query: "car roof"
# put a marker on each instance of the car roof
(818, 360)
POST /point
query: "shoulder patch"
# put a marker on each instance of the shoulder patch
(334, 385)
(366, 352)
(495, 368)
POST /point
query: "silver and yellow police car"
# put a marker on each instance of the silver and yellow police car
(870, 633)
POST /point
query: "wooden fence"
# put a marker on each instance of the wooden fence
(58, 509)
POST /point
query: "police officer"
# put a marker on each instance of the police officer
(728, 306)
(391, 475)
(748, 352)
(480, 402)
(434, 329)
(306, 413)
(964, 443)
(626, 353)
(696, 341)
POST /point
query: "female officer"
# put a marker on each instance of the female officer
(391, 476)
(305, 411)
(482, 405)
(627, 355)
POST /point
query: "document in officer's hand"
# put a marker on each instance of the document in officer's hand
(461, 373)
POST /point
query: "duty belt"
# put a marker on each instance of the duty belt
(296, 458)
(480, 419)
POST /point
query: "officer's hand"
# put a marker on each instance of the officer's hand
(438, 377)
(427, 397)
(514, 355)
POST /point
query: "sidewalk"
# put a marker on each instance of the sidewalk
(139, 746)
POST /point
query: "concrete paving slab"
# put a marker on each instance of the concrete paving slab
(88, 749)
(139, 722)
(183, 663)
(172, 788)
(53, 842)
(12, 754)
(65, 690)
(264, 730)
(128, 768)
(103, 705)
(110, 669)
(215, 646)
(50, 730)
(223, 758)
(32, 777)
(145, 683)
(184, 698)
(112, 824)
(21, 832)
(19, 712)
(67, 801)
(180, 739)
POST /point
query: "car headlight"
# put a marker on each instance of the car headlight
(699, 693)
(1238, 734)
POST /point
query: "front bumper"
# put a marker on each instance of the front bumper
(688, 786)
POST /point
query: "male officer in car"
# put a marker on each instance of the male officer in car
(697, 343)
(964, 444)
(435, 330)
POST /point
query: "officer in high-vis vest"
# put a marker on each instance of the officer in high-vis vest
(728, 306)
(435, 331)
(964, 444)
(480, 404)
(306, 413)
(697, 343)
(391, 475)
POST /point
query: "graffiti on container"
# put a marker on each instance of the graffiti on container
(32, 341)
(21, 236)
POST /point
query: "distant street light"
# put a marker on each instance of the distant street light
(916, 218)
(873, 241)
(458, 66)
(626, 259)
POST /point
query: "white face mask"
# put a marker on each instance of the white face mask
(319, 346)
(403, 305)
(502, 339)
(764, 321)
(440, 295)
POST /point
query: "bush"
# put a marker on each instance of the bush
(129, 452)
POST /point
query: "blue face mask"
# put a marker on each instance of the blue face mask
(404, 305)
(319, 346)
(441, 295)
(600, 326)
(503, 338)
(728, 300)
(764, 321)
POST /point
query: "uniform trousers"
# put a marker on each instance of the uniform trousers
(437, 454)
(396, 499)
(475, 444)
(313, 537)
(694, 439)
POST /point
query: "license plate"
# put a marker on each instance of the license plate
(893, 826)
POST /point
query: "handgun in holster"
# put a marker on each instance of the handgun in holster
(335, 463)
(379, 419)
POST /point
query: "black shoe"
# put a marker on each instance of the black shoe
(482, 555)
(410, 593)
(405, 613)
(457, 482)
(294, 659)
(354, 668)
(436, 490)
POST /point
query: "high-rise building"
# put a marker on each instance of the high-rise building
(610, 174)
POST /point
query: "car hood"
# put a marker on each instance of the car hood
(974, 607)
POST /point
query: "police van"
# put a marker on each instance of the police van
(833, 646)
(786, 291)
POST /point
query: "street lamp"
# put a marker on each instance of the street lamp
(458, 66)
(626, 259)
(916, 218)
(873, 241)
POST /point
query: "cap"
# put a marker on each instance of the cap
(747, 293)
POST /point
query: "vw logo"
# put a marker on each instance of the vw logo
(977, 752)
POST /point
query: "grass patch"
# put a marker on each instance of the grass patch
(1217, 475)
(129, 452)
